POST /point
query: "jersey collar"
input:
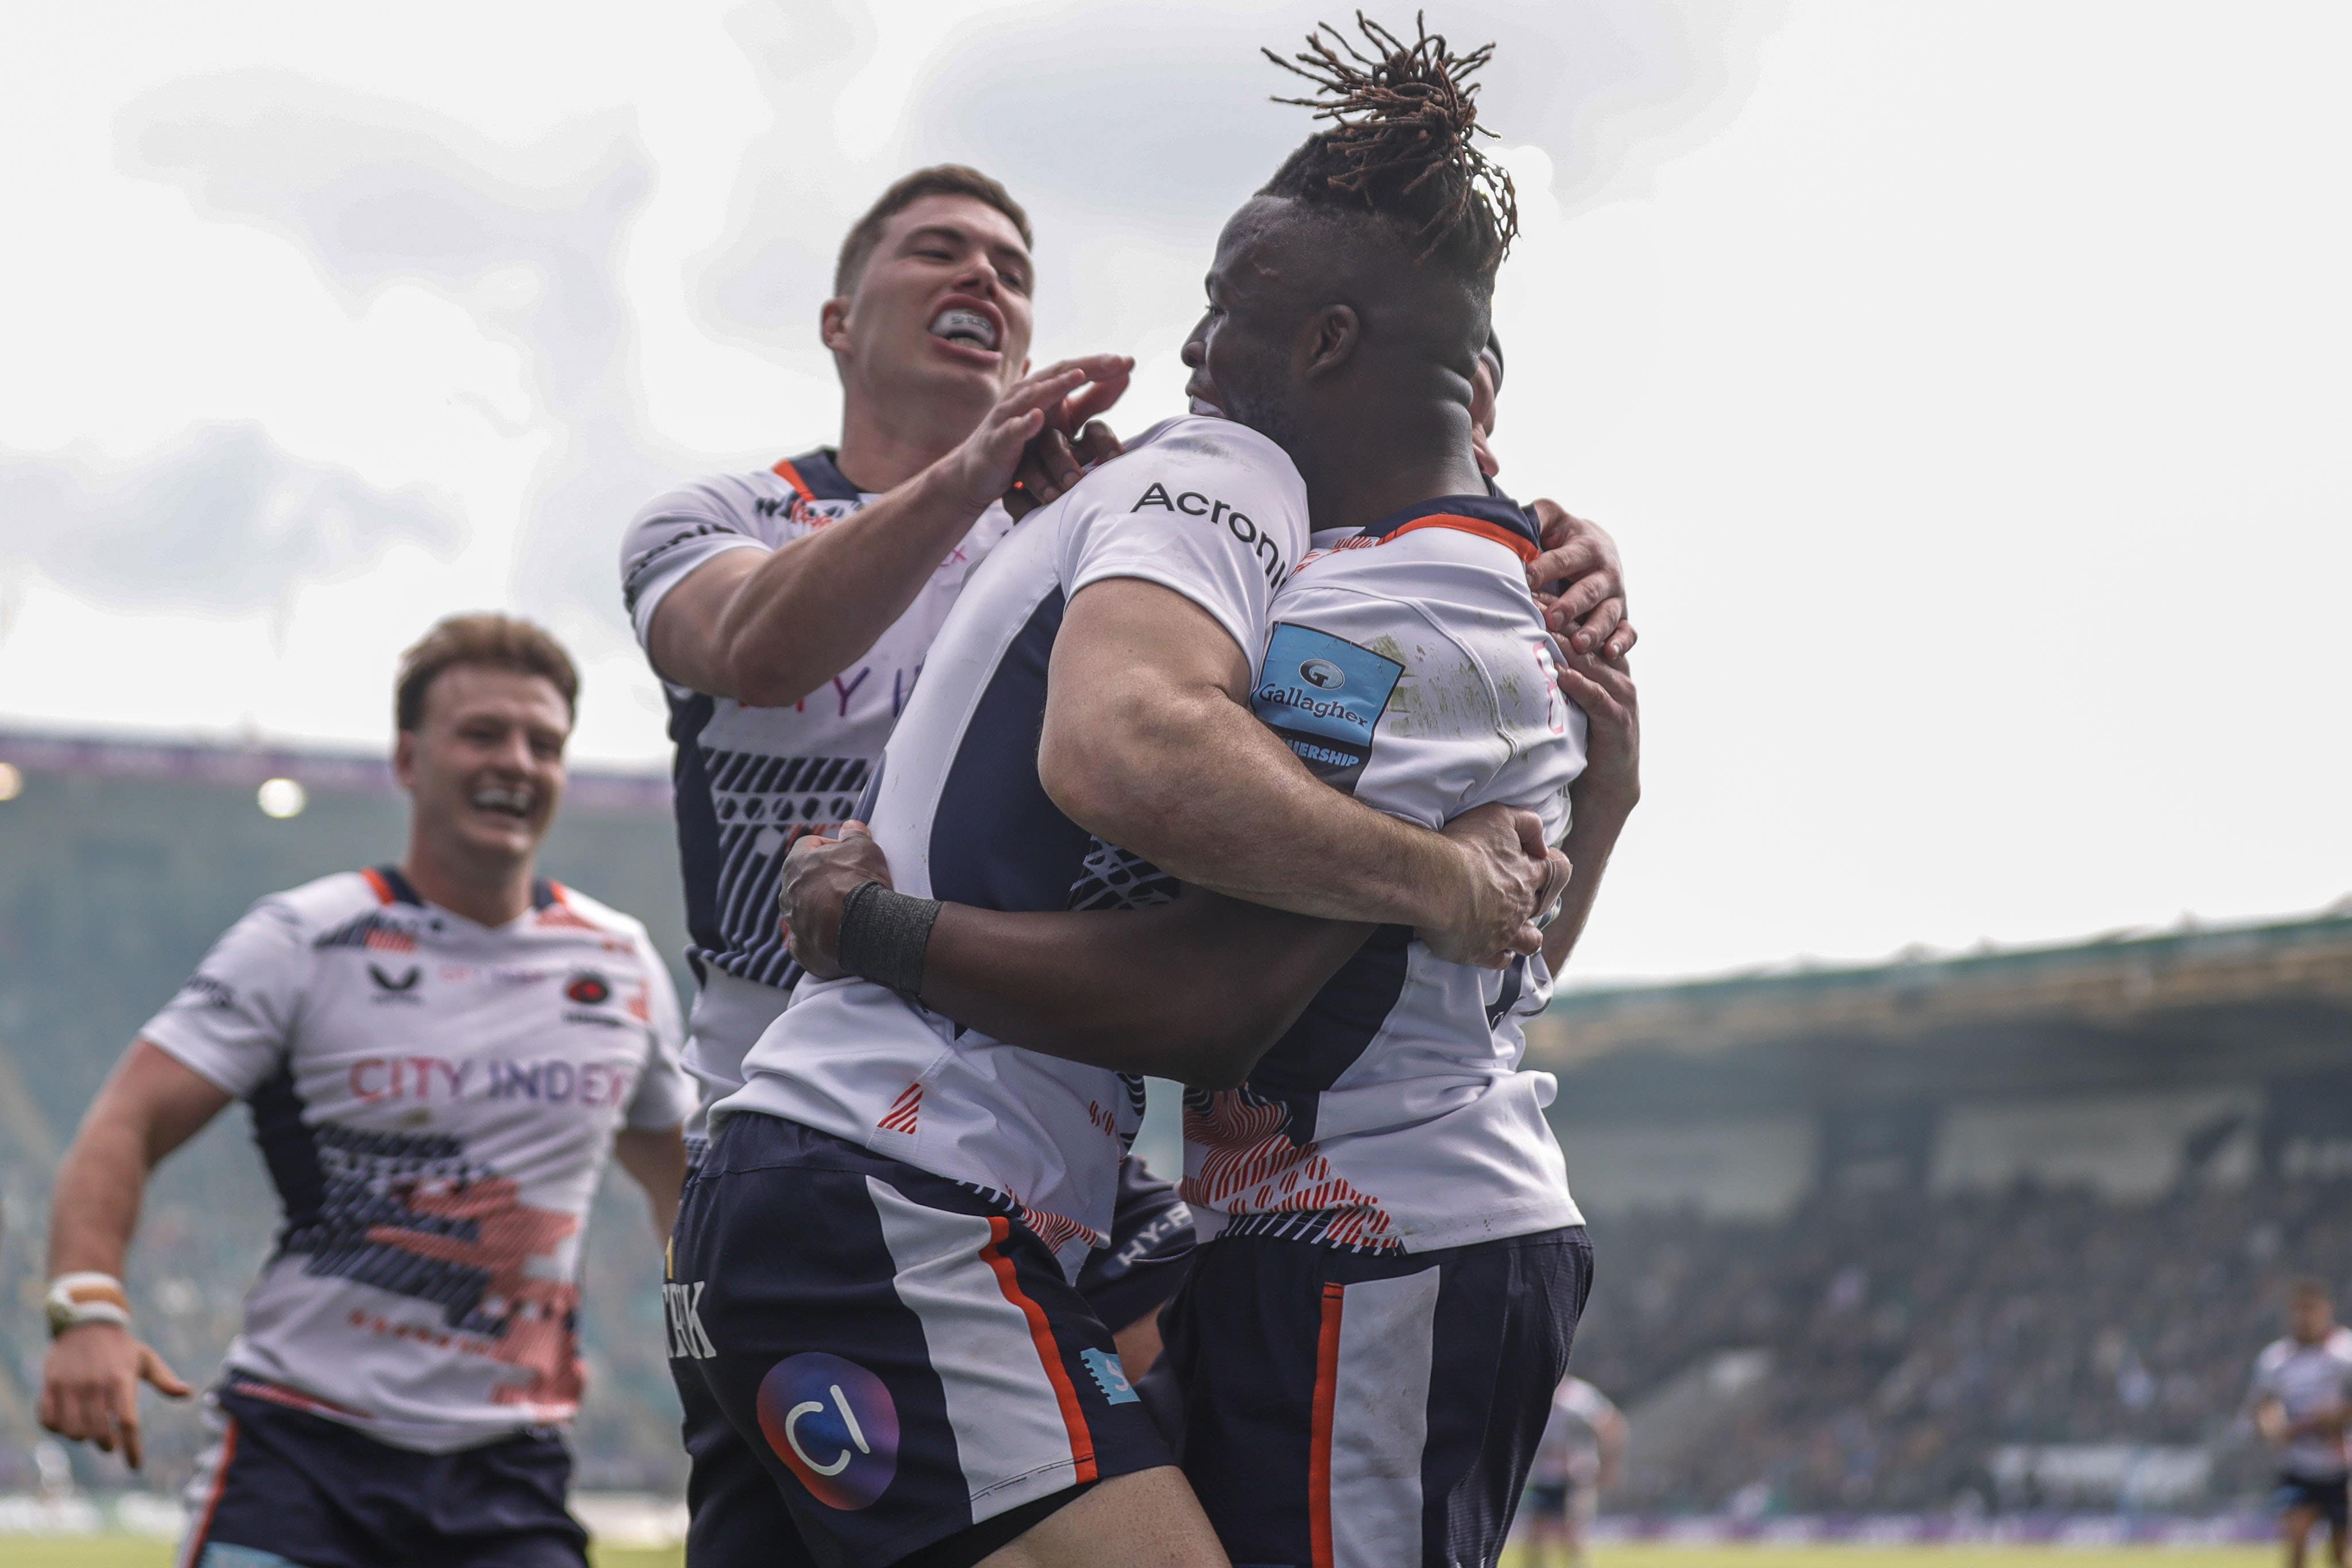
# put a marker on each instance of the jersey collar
(1497, 516)
(814, 475)
(391, 887)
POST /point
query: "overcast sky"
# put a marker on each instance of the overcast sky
(1966, 384)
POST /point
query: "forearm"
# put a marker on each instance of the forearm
(655, 1161)
(1195, 991)
(815, 606)
(1593, 830)
(1200, 788)
(94, 1208)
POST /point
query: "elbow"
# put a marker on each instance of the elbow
(766, 683)
(1095, 785)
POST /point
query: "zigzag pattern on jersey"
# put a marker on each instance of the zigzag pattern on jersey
(1057, 1231)
(371, 931)
(1249, 1165)
(410, 1213)
(1114, 879)
(763, 803)
(904, 1110)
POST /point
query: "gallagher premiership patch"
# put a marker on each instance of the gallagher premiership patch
(1323, 696)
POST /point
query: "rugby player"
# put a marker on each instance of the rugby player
(1583, 1445)
(439, 1054)
(1389, 1204)
(789, 610)
(2301, 1400)
(930, 1187)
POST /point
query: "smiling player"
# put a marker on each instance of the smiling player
(438, 1055)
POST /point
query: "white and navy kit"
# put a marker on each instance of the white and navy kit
(1209, 508)
(750, 780)
(2307, 1380)
(884, 1235)
(435, 1100)
(1567, 1470)
(1389, 1206)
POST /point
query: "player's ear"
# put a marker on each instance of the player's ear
(403, 758)
(832, 324)
(1328, 339)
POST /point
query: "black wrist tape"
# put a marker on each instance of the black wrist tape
(884, 935)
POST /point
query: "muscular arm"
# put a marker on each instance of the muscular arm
(1604, 795)
(152, 1105)
(767, 627)
(655, 1159)
(1148, 743)
(1196, 990)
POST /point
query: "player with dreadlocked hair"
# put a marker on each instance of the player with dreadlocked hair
(1360, 1365)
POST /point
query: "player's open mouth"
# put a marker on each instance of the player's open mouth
(514, 802)
(1202, 406)
(969, 328)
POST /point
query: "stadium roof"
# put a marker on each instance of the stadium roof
(2126, 981)
(37, 753)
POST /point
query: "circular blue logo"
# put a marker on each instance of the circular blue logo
(834, 1425)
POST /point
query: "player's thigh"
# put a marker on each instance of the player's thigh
(1337, 1404)
(734, 1513)
(905, 1364)
(1152, 1514)
(503, 1505)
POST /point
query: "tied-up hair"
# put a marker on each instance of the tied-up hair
(1404, 118)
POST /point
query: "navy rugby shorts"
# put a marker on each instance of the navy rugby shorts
(1348, 1409)
(282, 1486)
(2324, 1495)
(885, 1353)
(1151, 1238)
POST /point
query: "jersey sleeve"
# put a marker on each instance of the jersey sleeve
(1209, 510)
(668, 540)
(234, 1021)
(2263, 1385)
(665, 1094)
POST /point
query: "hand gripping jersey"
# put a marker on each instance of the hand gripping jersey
(1407, 665)
(2304, 1380)
(750, 780)
(435, 1099)
(1209, 508)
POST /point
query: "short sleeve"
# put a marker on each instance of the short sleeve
(668, 540)
(1210, 509)
(234, 1021)
(665, 1094)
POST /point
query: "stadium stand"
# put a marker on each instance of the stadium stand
(1976, 1231)
(1883, 1239)
(123, 862)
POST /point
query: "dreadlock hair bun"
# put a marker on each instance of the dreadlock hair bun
(1401, 144)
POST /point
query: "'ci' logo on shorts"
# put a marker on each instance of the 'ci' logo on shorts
(834, 1424)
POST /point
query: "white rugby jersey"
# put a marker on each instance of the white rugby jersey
(1205, 507)
(1568, 1452)
(434, 1100)
(1409, 665)
(2306, 1379)
(750, 780)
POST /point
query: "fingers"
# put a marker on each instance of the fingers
(1557, 871)
(1529, 828)
(1103, 388)
(856, 828)
(125, 1401)
(1096, 443)
(1622, 640)
(158, 1372)
(1569, 559)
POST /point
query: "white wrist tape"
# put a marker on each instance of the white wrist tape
(89, 1298)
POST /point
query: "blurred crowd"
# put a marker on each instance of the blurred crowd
(1910, 1337)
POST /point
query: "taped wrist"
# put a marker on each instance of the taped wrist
(86, 1297)
(884, 935)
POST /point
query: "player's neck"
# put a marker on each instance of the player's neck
(487, 895)
(885, 442)
(1365, 468)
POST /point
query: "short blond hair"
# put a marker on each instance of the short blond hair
(485, 639)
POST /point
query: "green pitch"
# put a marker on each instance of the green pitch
(117, 1551)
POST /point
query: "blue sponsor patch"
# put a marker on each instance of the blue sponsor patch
(1324, 696)
(1110, 1377)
